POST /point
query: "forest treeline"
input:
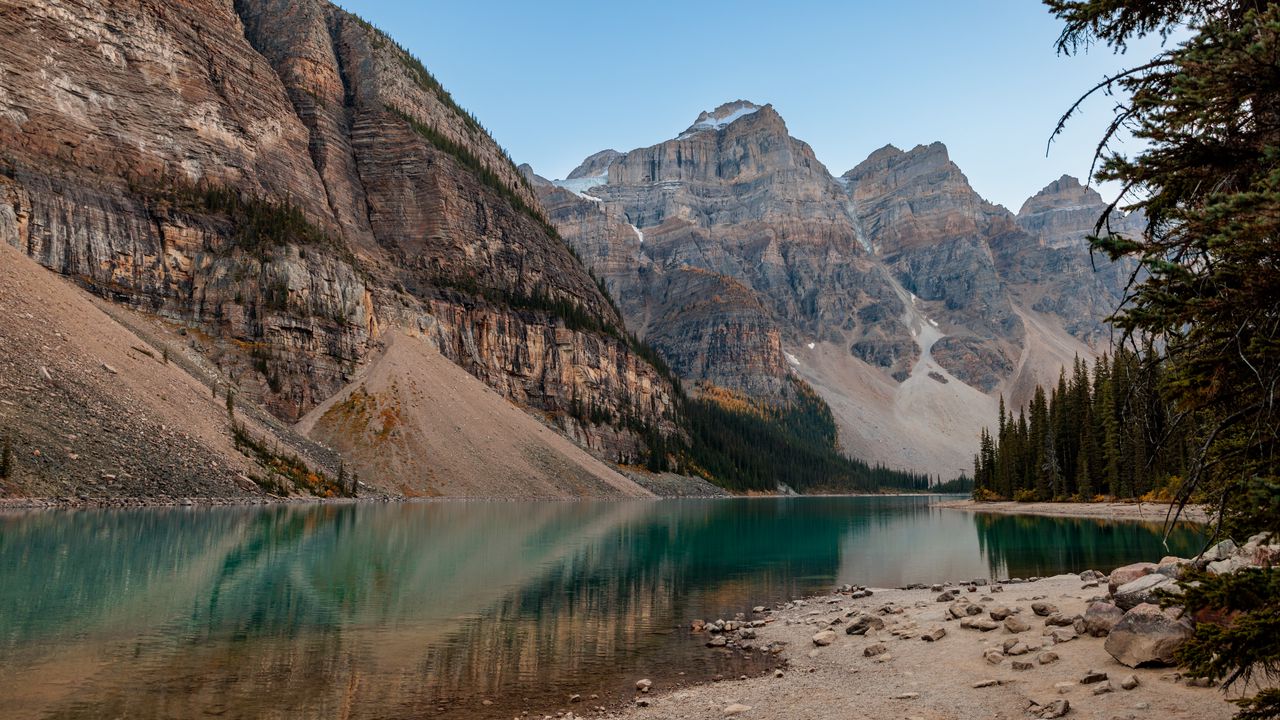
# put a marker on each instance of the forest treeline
(748, 445)
(1108, 432)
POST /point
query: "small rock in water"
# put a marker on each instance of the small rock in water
(575, 698)
(644, 685)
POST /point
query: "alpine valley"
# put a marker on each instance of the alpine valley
(283, 258)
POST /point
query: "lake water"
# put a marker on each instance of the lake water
(432, 609)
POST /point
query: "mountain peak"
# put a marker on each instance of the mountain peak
(724, 116)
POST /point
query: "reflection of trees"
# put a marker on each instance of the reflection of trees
(1024, 546)
(372, 610)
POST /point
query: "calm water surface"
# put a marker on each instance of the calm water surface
(428, 610)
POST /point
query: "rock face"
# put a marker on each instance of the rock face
(904, 298)
(1147, 635)
(285, 180)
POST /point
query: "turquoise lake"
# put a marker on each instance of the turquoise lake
(431, 609)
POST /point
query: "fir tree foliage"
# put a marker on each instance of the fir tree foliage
(1206, 113)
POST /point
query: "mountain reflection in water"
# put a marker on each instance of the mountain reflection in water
(429, 609)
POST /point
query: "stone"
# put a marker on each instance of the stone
(1129, 682)
(1064, 687)
(1102, 689)
(1227, 566)
(575, 698)
(1091, 576)
(993, 656)
(861, 624)
(1060, 620)
(824, 638)
(986, 683)
(905, 696)
(1093, 676)
(644, 685)
(1043, 609)
(1055, 709)
(697, 626)
(1015, 624)
(736, 709)
(1022, 665)
(1147, 635)
(758, 610)
(642, 702)
(999, 612)
(1100, 617)
(875, 649)
(717, 641)
(1142, 590)
(1061, 635)
(934, 634)
(1128, 574)
(1018, 648)
(1047, 658)
(947, 596)
(984, 624)
(1221, 551)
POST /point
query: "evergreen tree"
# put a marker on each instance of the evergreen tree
(1206, 114)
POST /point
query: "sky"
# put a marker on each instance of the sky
(555, 81)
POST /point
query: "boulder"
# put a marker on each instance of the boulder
(1129, 573)
(1142, 590)
(934, 634)
(1015, 624)
(1229, 565)
(1055, 709)
(862, 624)
(1100, 618)
(824, 638)
(1221, 551)
(1091, 575)
(1147, 635)
(1060, 620)
(1000, 612)
(1043, 609)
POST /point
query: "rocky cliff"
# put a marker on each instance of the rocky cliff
(906, 299)
(285, 180)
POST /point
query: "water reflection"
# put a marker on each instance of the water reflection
(426, 610)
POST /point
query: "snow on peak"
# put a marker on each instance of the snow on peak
(580, 186)
(721, 117)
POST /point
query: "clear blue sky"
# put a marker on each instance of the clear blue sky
(555, 81)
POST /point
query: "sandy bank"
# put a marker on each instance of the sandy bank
(943, 679)
(1149, 512)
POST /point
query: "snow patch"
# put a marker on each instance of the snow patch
(792, 358)
(580, 186)
(708, 121)
(933, 322)
(639, 234)
(811, 346)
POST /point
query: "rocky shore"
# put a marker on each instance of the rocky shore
(1088, 645)
(1146, 511)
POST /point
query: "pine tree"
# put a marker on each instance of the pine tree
(1206, 115)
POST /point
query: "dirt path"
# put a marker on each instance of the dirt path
(943, 680)
(1150, 512)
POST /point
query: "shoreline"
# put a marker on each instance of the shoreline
(121, 503)
(893, 673)
(1141, 511)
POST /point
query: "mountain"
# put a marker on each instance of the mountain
(293, 190)
(895, 290)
